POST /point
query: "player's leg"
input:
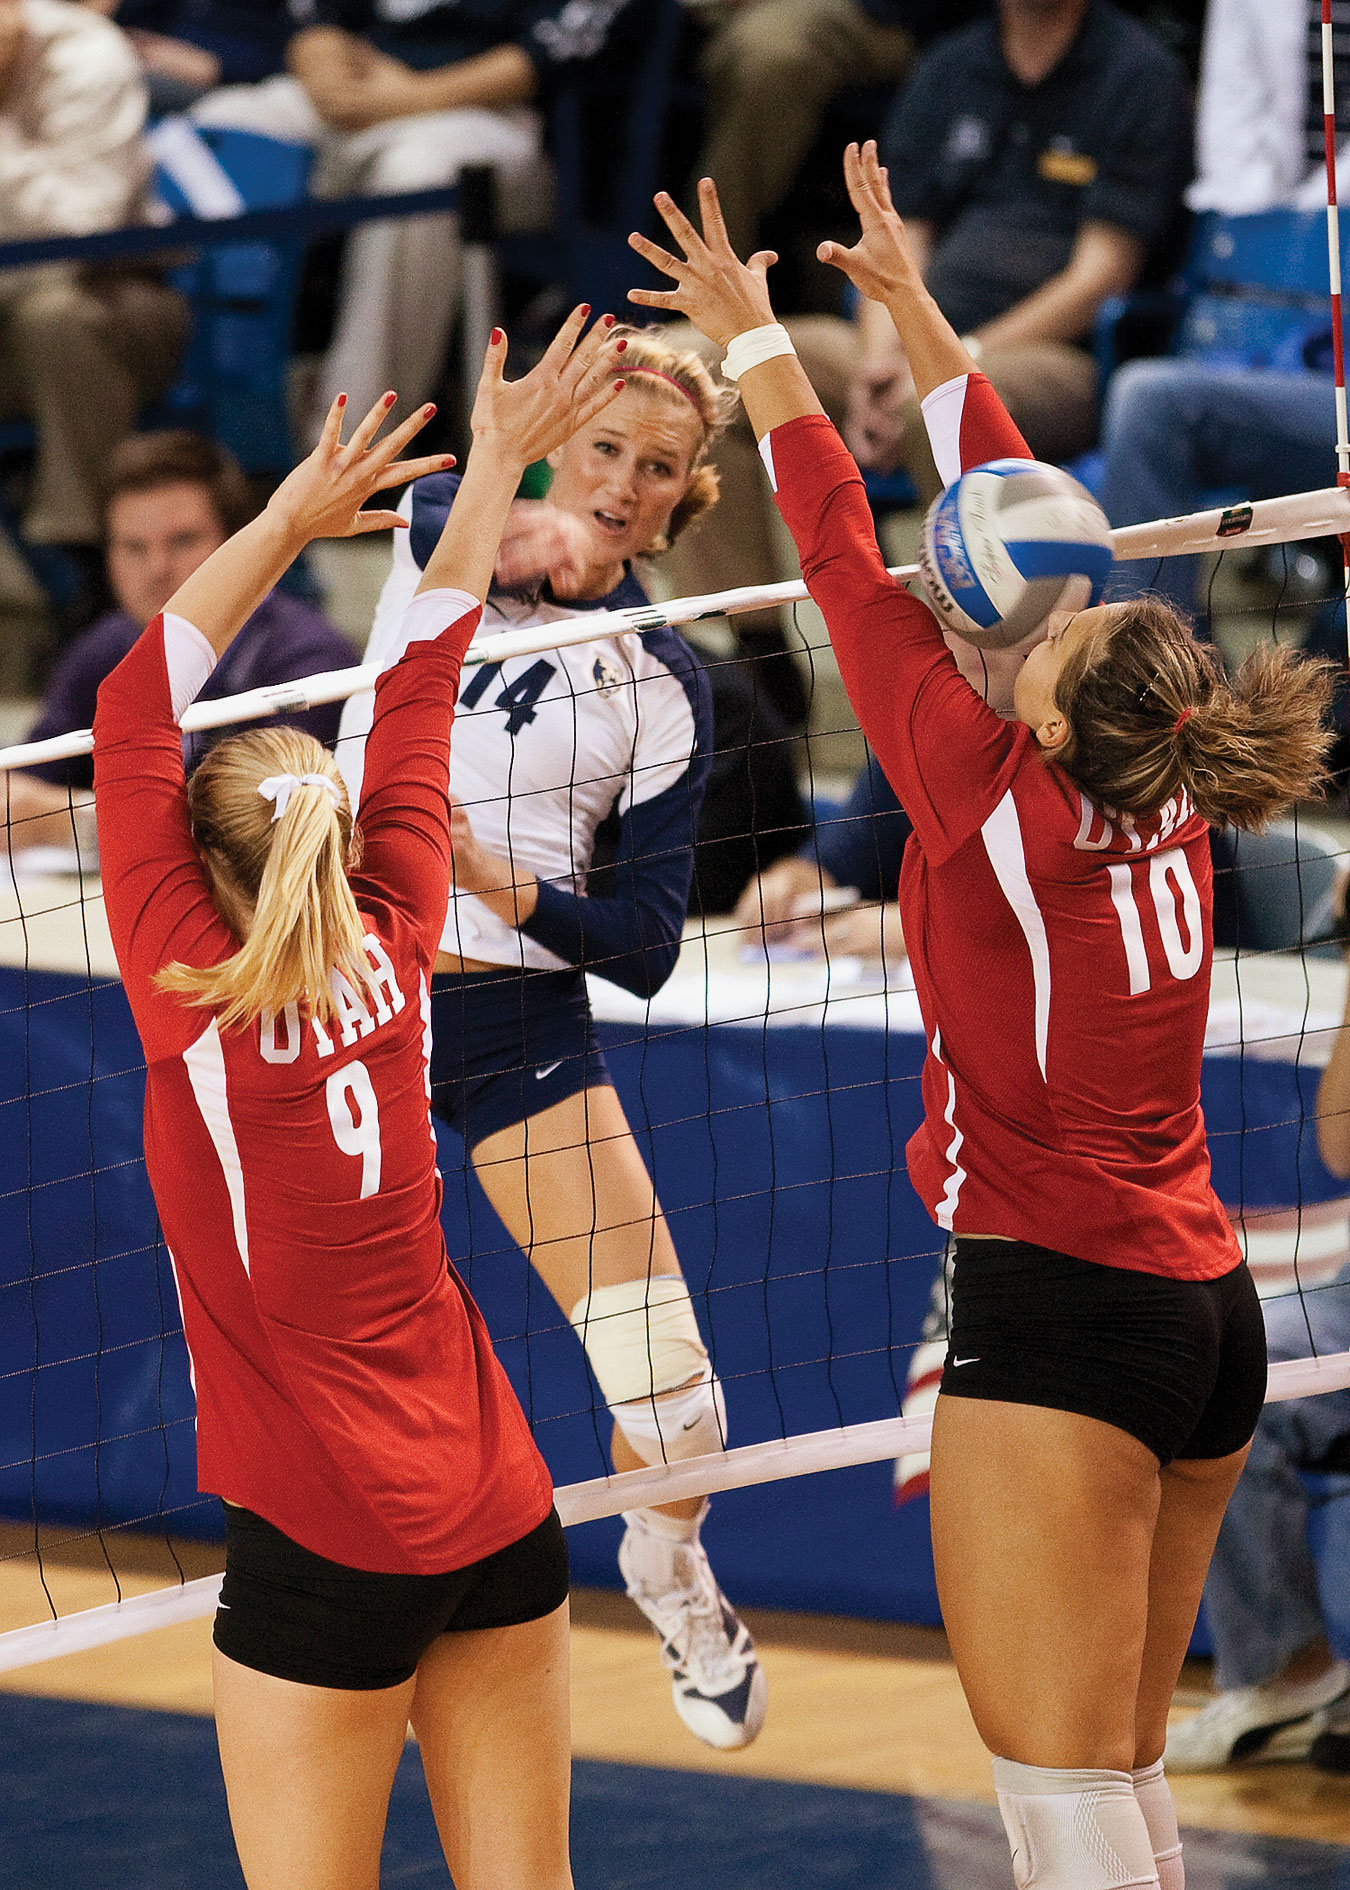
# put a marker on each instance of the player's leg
(491, 1714)
(572, 1189)
(308, 1770)
(1043, 1525)
(1194, 1495)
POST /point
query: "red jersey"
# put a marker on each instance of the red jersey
(1061, 953)
(346, 1385)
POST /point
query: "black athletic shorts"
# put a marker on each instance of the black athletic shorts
(1179, 1364)
(506, 1044)
(296, 1615)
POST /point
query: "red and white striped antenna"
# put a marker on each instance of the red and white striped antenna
(1334, 265)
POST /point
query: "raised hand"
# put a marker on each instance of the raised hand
(717, 291)
(572, 383)
(323, 496)
(880, 264)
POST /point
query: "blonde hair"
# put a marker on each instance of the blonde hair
(1151, 714)
(292, 871)
(651, 363)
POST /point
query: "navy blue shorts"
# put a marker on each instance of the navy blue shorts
(506, 1044)
(1179, 1364)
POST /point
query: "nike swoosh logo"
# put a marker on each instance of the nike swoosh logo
(690, 1425)
(547, 1070)
(965, 1361)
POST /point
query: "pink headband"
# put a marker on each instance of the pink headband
(628, 368)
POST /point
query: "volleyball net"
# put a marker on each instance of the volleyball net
(772, 1084)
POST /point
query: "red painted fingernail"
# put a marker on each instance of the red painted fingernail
(449, 459)
(497, 337)
(620, 345)
(389, 399)
(619, 386)
(585, 308)
(428, 410)
(608, 320)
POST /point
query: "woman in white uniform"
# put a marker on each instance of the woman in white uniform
(547, 747)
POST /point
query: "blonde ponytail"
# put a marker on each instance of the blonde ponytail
(291, 870)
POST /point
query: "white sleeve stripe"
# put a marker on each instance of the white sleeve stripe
(942, 411)
(766, 454)
(429, 614)
(189, 659)
(945, 1212)
(205, 1062)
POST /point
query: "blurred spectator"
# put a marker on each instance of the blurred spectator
(81, 350)
(399, 97)
(187, 47)
(1040, 154)
(752, 812)
(770, 68)
(1173, 430)
(174, 497)
(836, 897)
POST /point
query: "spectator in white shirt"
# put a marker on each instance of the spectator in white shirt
(81, 350)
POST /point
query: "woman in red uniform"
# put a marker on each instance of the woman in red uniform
(391, 1548)
(1107, 1360)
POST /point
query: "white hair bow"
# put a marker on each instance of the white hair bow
(278, 788)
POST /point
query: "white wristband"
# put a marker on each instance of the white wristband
(753, 347)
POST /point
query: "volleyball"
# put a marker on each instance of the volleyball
(1006, 544)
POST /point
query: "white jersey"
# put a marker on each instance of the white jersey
(545, 748)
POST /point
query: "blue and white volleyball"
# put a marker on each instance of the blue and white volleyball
(1006, 544)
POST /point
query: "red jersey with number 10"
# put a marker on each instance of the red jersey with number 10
(346, 1385)
(1061, 954)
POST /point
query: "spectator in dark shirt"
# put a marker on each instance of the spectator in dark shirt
(772, 66)
(1039, 155)
(399, 97)
(174, 498)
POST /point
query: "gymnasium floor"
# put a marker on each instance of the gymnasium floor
(868, 1776)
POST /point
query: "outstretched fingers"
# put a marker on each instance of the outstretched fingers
(679, 225)
(390, 447)
(401, 472)
(710, 209)
(364, 522)
(563, 345)
(330, 434)
(370, 426)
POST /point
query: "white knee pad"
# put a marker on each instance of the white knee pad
(674, 1425)
(644, 1346)
(1154, 1797)
(641, 1337)
(1074, 1829)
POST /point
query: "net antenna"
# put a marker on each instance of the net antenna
(1334, 269)
(1323, 513)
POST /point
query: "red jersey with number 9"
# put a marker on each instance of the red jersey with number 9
(1061, 954)
(346, 1385)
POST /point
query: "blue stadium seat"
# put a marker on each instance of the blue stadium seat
(232, 384)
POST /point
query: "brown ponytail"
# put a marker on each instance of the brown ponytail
(1151, 713)
(290, 871)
